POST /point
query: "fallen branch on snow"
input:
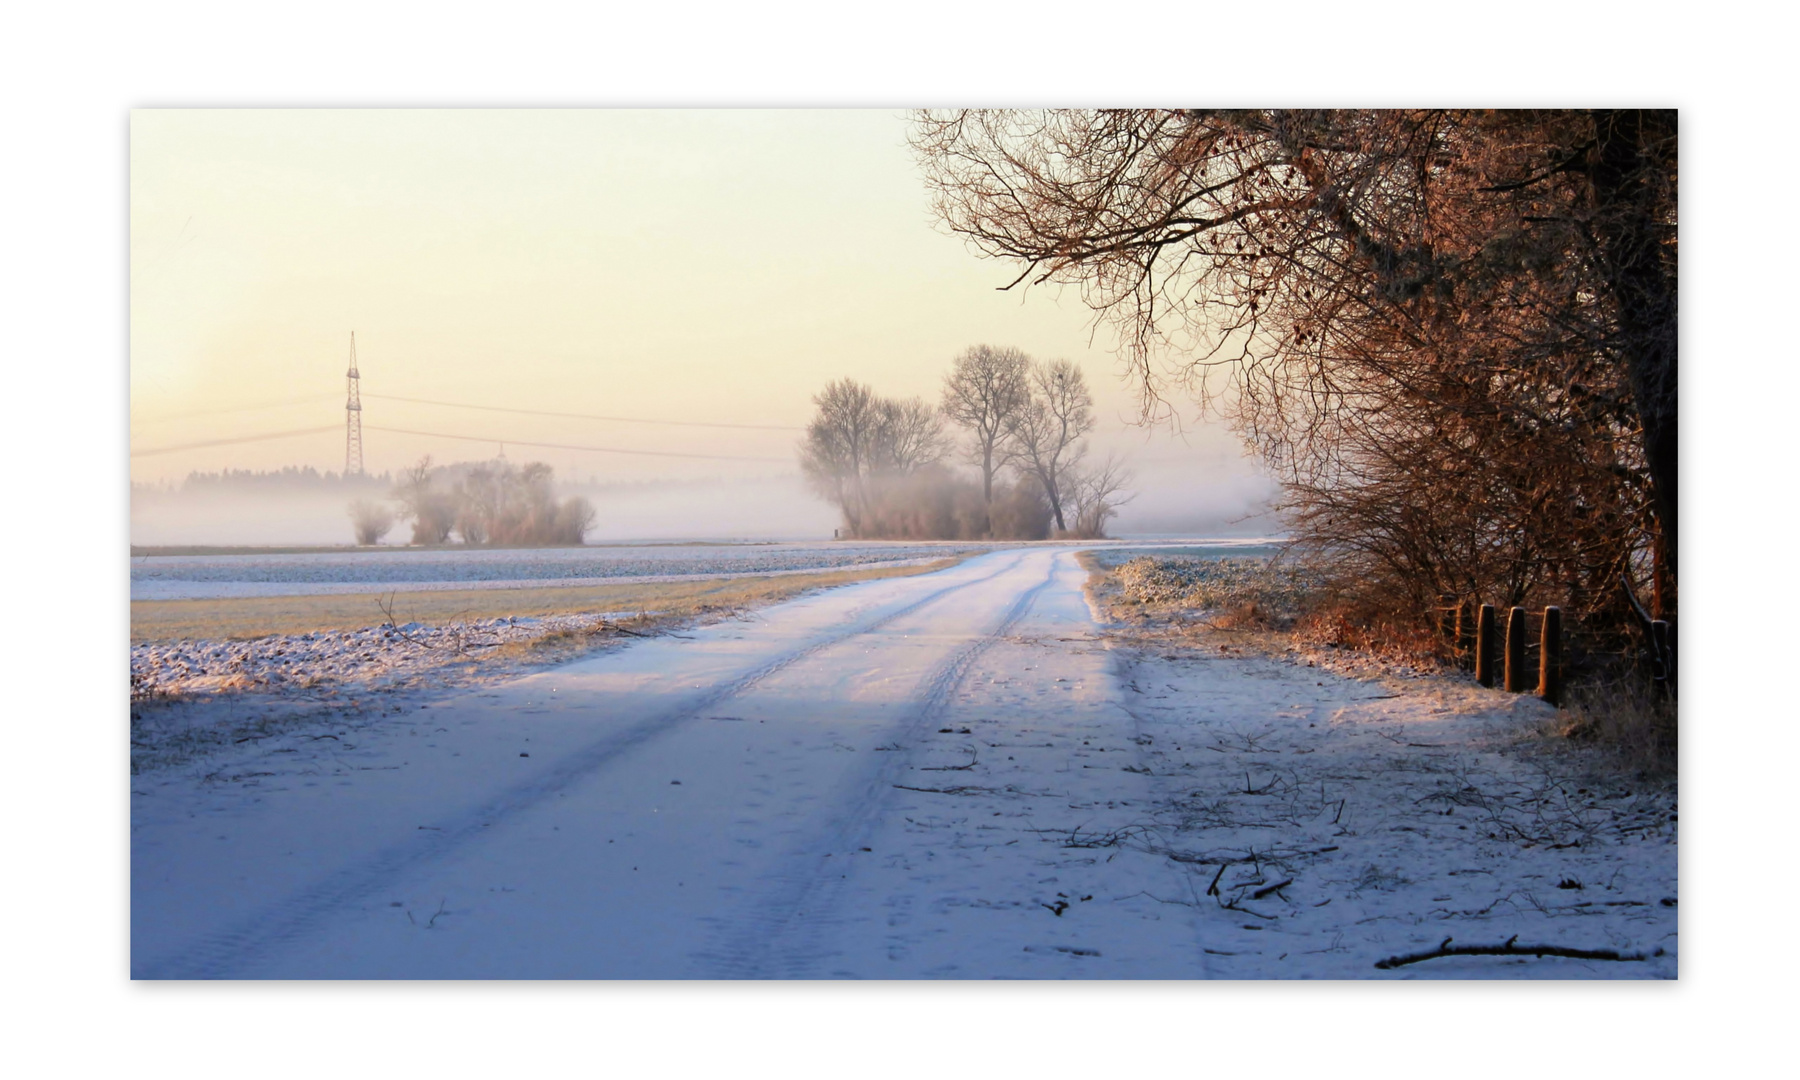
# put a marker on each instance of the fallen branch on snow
(1510, 948)
(1267, 889)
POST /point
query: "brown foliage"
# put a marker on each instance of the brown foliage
(1620, 714)
(1450, 333)
(936, 504)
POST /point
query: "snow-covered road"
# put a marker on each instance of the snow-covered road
(878, 781)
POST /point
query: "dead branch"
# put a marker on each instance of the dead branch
(1511, 948)
(1267, 889)
(974, 759)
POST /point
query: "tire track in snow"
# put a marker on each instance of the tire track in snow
(217, 955)
(1122, 667)
(753, 946)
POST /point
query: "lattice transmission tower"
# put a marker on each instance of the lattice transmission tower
(353, 456)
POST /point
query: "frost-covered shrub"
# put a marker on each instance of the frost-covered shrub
(371, 520)
(1217, 584)
(491, 503)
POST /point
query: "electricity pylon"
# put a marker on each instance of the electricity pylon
(353, 456)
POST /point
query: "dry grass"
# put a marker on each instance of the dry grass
(259, 616)
(1627, 719)
(1229, 593)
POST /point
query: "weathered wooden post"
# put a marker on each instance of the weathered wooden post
(1465, 633)
(1484, 646)
(1662, 670)
(1550, 657)
(1515, 651)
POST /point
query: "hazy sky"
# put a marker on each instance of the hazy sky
(717, 266)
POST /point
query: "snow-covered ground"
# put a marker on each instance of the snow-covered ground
(191, 697)
(953, 775)
(302, 662)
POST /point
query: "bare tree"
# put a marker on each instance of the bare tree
(1452, 333)
(1048, 428)
(491, 503)
(881, 461)
(858, 439)
(371, 520)
(1095, 493)
(981, 394)
(909, 436)
(479, 497)
(519, 506)
(840, 447)
(432, 512)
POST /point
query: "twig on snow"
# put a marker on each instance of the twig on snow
(1511, 948)
(1267, 889)
(974, 759)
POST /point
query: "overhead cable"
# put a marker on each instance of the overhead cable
(583, 416)
(567, 446)
(239, 439)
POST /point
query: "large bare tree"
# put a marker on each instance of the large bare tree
(858, 438)
(1048, 429)
(909, 435)
(1452, 333)
(840, 446)
(983, 391)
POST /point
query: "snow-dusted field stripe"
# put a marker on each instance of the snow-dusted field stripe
(175, 577)
(222, 954)
(224, 590)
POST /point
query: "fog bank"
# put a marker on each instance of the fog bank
(1174, 498)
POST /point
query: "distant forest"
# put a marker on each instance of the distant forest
(291, 477)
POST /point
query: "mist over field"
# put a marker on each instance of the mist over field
(1173, 500)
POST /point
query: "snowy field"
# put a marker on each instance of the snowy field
(952, 775)
(185, 577)
(205, 577)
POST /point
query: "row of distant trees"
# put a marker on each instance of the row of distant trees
(1022, 424)
(489, 503)
(290, 478)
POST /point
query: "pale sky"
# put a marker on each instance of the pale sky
(718, 266)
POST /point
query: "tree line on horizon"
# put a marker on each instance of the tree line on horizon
(289, 477)
(1451, 334)
(886, 462)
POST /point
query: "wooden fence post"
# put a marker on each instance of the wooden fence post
(1484, 646)
(1662, 672)
(1550, 657)
(1465, 634)
(1515, 651)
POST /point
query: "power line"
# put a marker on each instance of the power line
(446, 435)
(583, 416)
(232, 442)
(566, 446)
(311, 398)
(308, 400)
